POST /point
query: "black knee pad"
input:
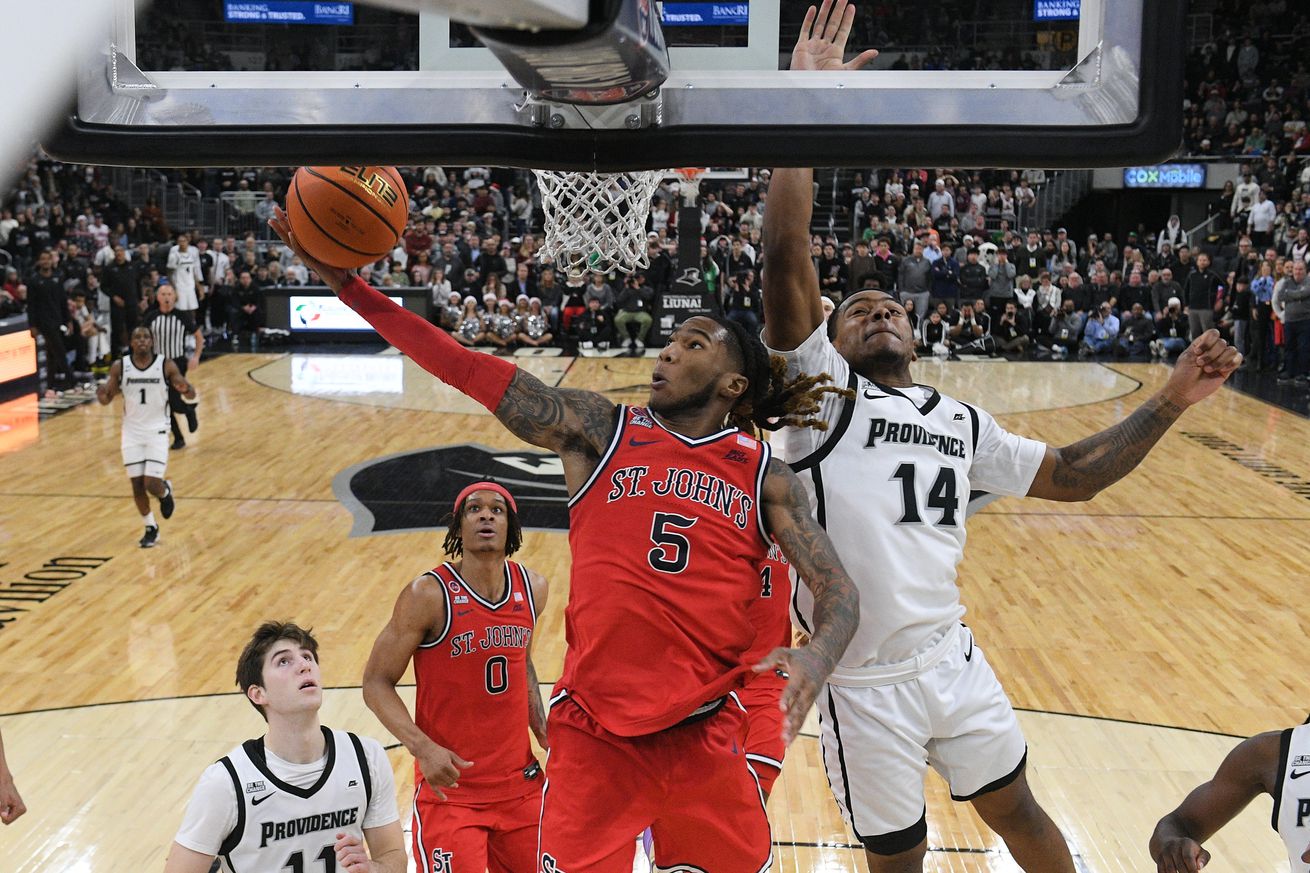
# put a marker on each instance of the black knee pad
(898, 841)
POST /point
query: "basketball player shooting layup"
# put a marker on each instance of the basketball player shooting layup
(889, 481)
(302, 797)
(143, 378)
(670, 516)
(467, 625)
(1268, 763)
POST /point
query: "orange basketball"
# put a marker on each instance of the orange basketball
(347, 216)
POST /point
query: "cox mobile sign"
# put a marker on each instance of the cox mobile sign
(1165, 176)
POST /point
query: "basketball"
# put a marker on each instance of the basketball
(347, 216)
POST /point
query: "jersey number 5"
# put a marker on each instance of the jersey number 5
(941, 496)
(672, 550)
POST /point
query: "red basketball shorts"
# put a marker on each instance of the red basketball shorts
(499, 837)
(690, 784)
(764, 746)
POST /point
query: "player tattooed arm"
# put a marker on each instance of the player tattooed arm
(1080, 470)
(565, 420)
(791, 287)
(1250, 769)
(419, 608)
(107, 390)
(836, 600)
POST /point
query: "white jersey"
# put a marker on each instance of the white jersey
(184, 272)
(253, 812)
(145, 397)
(1291, 816)
(889, 481)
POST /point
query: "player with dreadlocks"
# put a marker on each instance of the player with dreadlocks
(466, 625)
(671, 514)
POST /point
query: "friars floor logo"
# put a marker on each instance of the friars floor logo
(414, 490)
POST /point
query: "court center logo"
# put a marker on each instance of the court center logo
(414, 491)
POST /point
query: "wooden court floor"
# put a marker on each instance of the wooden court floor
(1138, 633)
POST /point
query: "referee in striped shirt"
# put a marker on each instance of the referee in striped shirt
(170, 327)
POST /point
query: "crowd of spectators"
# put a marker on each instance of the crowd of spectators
(961, 249)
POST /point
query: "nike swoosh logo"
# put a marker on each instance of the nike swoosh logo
(258, 800)
(463, 612)
(870, 395)
(636, 443)
(1296, 775)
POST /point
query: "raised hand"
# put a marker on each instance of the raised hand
(1202, 368)
(333, 277)
(821, 44)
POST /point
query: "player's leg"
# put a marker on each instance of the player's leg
(512, 845)
(136, 451)
(601, 791)
(713, 814)
(873, 741)
(153, 470)
(178, 403)
(981, 752)
(448, 837)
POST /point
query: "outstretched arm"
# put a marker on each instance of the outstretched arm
(175, 378)
(836, 600)
(1078, 471)
(108, 389)
(791, 288)
(566, 421)
(1249, 769)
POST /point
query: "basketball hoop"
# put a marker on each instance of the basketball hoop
(690, 186)
(596, 221)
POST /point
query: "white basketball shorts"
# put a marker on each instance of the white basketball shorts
(145, 454)
(878, 742)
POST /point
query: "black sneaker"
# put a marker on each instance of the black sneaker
(151, 538)
(166, 503)
(178, 443)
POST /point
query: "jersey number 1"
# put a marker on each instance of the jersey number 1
(941, 496)
(143, 396)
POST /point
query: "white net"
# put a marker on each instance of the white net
(596, 221)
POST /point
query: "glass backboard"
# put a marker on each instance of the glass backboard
(1056, 83)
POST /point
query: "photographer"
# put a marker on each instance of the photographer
(1101, 332)
(1066, 328)
(1013, 332)
(1172, 327)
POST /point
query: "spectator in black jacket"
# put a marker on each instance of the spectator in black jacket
(634, 307)
(47, 311)
(1237, 312)
(1136, 330)
(595, 327)
(120, 281)
(946, 277)
(973, 277)
(1200, 291)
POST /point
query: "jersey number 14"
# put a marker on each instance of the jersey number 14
(941, 496)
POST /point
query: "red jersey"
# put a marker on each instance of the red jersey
(472, 687)
(771, 615)
(667, 538)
